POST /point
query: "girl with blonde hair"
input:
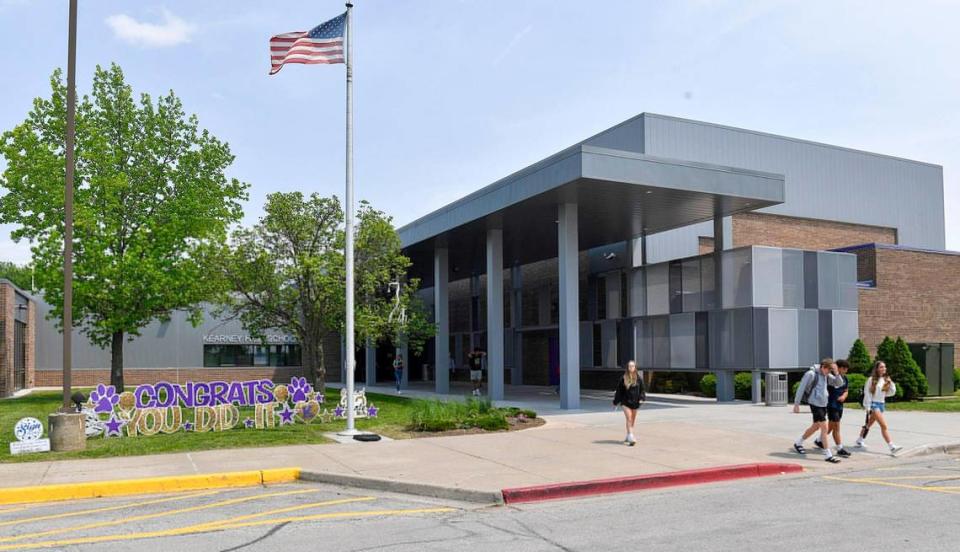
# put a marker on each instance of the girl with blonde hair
(629, 395)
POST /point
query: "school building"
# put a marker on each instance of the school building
(685, 245)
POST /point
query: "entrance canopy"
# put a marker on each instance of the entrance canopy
(620, 195)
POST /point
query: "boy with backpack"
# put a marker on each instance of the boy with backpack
(838, 396)
(813, 391)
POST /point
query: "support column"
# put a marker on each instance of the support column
(516, 315)
(725, 391)
(370, 362)
(495, 313)
(756, 389)
(441, 305)
(568, 261)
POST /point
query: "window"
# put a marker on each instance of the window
(601, 298)
(597, 345)
(251, 355)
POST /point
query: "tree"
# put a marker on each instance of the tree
(151, 202)
(859, 358)
(287, 273)
(905, 372)
(884, 352)
(19, 275)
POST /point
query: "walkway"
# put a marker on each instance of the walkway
(673, 432)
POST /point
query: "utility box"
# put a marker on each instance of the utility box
(777, 388)
(936, 362)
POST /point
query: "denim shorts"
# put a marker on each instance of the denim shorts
(882, 407)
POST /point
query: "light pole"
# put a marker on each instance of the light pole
(66, 427)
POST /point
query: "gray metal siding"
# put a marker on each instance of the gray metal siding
(822, 182)
(175, 344)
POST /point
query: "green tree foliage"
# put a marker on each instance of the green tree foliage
(288, 273)
(151, 201)
(19, 275)
(906, 372)
(859, 358)
(855, 389)
(884, 352)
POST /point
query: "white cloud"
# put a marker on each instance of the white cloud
(171, 32)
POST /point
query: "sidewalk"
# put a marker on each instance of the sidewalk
(674, 434)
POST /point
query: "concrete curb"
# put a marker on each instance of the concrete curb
(403, 487)
(121, 487)
(556, 491)
(923, 450)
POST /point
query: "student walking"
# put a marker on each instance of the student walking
(476, 370)
(879, 386)
(629, 395)
(398, 371)
(837, 396)
(813, 391)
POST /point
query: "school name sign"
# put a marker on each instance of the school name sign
(168, 408)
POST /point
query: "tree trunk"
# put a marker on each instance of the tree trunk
(116, 361)
(309, 351)
(320, 378)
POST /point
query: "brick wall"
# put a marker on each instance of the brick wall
(6, 339)
(803, 233)
(917, 297)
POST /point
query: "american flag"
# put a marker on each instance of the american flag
(323, 44)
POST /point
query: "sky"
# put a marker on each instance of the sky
(451, 95)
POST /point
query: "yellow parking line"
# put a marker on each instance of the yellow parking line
(238, 519)
(898, 485)
(107, 508)
(154, 515)
(203, 528)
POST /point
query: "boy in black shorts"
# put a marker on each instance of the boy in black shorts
(838, 396)
(813, 391)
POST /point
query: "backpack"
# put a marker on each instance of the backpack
(809, 389)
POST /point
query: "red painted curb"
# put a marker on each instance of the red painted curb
(556, 491)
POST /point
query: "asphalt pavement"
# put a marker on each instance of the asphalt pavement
(908, 506)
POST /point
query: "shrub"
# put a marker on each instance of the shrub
(859, 358)
(436, 415)
(884, 352)
(906, 373)
(855, 390)
(793, 390)
(742, 383)
(708, 385)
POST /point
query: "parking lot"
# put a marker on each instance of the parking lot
(236, 517)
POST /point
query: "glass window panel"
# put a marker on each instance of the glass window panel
(708, 297)
(737, 278)
(676, 286)
(793, 285)
(691, 285)
(638, 288)
(660, 327)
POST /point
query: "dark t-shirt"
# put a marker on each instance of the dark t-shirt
(835, 394)
(476, 361)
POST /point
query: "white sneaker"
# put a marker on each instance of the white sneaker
(894, 449)
(861, 444)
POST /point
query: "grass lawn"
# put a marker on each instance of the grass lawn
(951, 404)
(393, 420)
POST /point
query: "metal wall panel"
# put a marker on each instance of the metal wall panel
(683, 351)
(784, 335)
(793, 283)
(737, 278)
(767, 277)
(846, 329)
(808, 333)
(822, 181)
(658, 289)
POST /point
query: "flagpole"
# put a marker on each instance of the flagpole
(350, 350)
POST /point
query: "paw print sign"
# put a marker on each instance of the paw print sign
(104, 398)
(299, 389)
